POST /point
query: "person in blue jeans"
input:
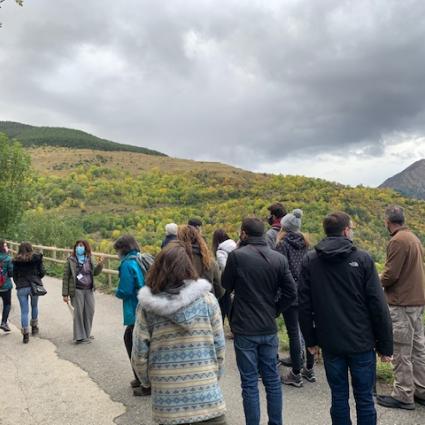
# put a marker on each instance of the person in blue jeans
(342, 309)
(258, 276)
(28, 268)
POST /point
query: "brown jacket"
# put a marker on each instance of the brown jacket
(404, 274)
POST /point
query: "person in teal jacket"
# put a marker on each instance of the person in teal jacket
(6, 273)
(130, 281)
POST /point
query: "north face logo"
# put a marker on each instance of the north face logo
(354, 264)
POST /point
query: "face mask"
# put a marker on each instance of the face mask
(270, 219)
(80, 250)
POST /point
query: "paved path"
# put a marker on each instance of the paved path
(52, 381)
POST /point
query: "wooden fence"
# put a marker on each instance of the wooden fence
(59, 255)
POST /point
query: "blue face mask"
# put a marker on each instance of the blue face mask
(80, 250)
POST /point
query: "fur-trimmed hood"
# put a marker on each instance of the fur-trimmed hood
(170, 305)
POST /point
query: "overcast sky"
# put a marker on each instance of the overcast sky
(325, 88)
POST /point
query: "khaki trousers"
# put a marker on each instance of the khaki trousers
(409, 353)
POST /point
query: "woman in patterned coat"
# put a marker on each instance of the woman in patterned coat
(178, 342)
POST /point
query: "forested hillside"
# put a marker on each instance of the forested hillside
(101, 203)
(30, 135)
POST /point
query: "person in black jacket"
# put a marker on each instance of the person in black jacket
(342, 309)
(28, 268)
(257, 275)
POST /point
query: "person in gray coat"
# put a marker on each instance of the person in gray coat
(78, 287)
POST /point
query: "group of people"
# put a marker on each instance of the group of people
(174, 305)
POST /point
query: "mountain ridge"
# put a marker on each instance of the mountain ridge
(410, 181)
(30, 136)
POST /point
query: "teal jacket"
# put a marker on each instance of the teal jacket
(7, 264)
(131, 280)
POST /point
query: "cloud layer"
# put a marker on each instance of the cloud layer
(256, 83)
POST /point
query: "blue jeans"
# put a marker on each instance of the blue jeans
(23, 294)
(253, 354)
(363, 373)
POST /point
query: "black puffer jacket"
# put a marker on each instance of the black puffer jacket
(27, 272)
(341, 302)
(293, 246)
(257, 274)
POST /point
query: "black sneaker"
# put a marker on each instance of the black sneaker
(5, 327)
(142, 392)
(420, 401)
(308, 374)
(391, 402)
(26, 338)
(35, 330)
(292, 379)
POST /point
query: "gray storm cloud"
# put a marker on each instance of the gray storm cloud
(236, 81)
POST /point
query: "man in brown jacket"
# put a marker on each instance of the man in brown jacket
(403, 280)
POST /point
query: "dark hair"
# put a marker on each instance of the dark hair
(195, 222)
(86, 246)
(219, 237)
(125, 244)
(335, 223)
(25, 252)
(190, 236)
(2, 244)
(171, 267)
(395, 214)
(253, 226)
(277, 209)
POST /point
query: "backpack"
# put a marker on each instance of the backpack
(3, 276)
(144, 260)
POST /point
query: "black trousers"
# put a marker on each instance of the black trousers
(7, 304)
(128, 342)
(294, 335)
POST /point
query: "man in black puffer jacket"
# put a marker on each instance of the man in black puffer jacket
(343, 310)
(257, 274)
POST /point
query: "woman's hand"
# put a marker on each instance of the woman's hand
(66, 299)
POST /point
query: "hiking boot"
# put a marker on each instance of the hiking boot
(388, 401)
(25, 335)
(34, 327)
(292, 379)
(135, 383)
(5, 327)
(142, 392)
(308, 374)
(420, 401)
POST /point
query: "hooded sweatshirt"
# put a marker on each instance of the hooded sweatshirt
(223, 251)
(341, 303)
(178, 349)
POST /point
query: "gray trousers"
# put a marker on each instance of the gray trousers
(83, 303)
(409, 353)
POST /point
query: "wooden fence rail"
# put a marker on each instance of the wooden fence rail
(64, 253)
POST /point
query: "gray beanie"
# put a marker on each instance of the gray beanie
(171, 229)
(292, 221)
